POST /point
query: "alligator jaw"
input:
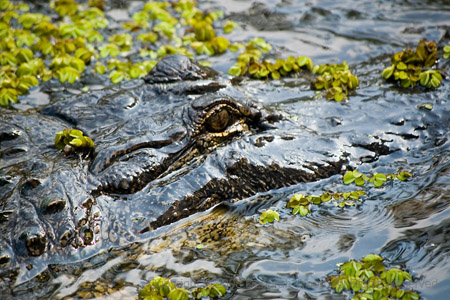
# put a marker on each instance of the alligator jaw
(243, 180)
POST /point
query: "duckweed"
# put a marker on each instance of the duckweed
(410, 67)
(370, 279)
(378, 179)
(301, 204)
(250, 62)
(269, 216)
(42, 48)
(69, 140)
(336, 79)
(446, 52)
(161, 288)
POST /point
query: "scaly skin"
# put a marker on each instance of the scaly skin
(172, 146)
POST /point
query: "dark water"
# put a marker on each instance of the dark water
(408, 223)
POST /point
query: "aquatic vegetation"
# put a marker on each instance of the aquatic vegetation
(229, 26)
(446, 52)
(377, 179)
(269, 216)
(43, 48)
(301, 204)
(250, 62)
(69, 140)
(161, 288)
(337, 79)
(370, 279)
(74, 42)
(410, 67)
(213, 291)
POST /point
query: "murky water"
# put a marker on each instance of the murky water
(408, 223)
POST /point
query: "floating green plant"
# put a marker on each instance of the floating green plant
(269, 216)
(213, 291)
(370, 279)
(229, 26)
(120, 70)
(69, 140)
(446, 52)
(204, 39)
(337, 79)
(410, 67)
(301, 204)
(378, 179)
(161, 288)
(250, 62)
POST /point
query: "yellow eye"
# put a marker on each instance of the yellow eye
(218, 121)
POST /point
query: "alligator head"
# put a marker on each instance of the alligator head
(179, 143)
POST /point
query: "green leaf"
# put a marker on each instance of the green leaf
(353, 82)
(235, 47)
(117, 76)
(399, 278)
(305, 61)
(404, 175)
(88, 142)
(427, 106)
(348, 177)
(360, 181)
(424, 78)
(235, 70)
(109, 49)
(325, 197)
(339, 97)
(94, 36)
(401, 66)
(178, 294)
(217, 290)
(8, 95)
(269, 216)
(75, 133)
(220, 44)
(379, 179)
(147, 293)
(68, 74)
(436, 79)
(84, 54)
(76, 142)
(390, 276)
(23, 55)
(99, 68)
(303, 210)
(229, 26)
(8, 58)
(25, 82)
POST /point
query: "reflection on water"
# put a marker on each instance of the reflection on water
(406, 222)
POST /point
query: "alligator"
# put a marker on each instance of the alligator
(178, 142)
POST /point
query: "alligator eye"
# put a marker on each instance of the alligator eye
(218, 121)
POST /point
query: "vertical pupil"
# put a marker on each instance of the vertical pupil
(218, 121)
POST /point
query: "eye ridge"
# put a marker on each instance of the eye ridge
(218, 121)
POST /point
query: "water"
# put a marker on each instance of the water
(408, 223)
